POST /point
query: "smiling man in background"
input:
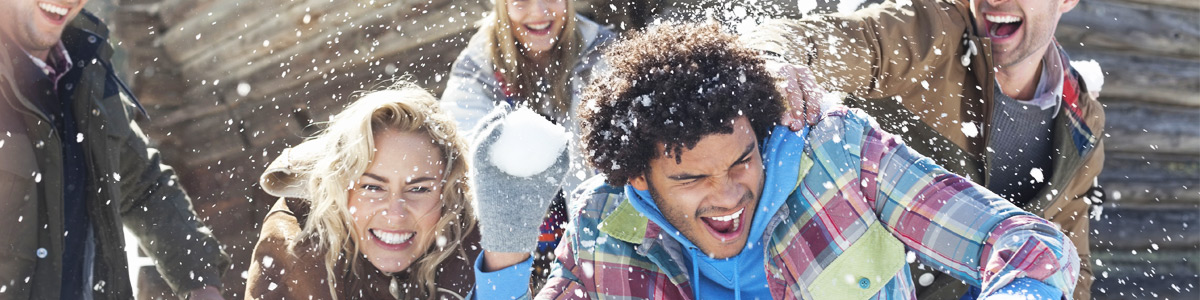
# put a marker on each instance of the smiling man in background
(75, 168)
(980, 86)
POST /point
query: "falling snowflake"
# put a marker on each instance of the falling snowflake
(970, 129)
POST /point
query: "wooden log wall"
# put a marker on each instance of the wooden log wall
(1146, 245)
(230, 83)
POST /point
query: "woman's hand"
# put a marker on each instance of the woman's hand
(519, 160)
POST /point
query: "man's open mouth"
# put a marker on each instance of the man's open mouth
(725, 227)
(1002, 26)
(53, 11)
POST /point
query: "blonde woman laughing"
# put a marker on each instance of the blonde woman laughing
(375, 206)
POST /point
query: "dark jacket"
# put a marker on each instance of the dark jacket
(925, 74)
(128, 186)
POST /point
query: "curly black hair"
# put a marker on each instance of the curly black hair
(672, 84)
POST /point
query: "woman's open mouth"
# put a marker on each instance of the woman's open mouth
(56, 13)
(539, 28)
(725, 228)
(1002, 26)
(392, 240)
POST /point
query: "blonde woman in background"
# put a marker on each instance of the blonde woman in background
(537, 54)
(375, 206)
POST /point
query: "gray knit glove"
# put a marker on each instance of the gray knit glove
(519, 160)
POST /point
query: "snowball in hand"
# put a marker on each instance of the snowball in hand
(528, 144)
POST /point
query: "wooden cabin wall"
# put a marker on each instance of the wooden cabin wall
(230, 83)
(1146, 245)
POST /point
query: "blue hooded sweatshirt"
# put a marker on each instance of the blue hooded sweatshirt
(745, 273)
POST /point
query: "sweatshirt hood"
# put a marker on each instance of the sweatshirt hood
(782, 152)
(286, 176)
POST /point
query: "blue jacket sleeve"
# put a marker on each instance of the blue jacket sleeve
(508, 283)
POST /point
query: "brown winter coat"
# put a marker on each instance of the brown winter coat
(127, 187)
(914, 66)
(278, 271)
(285, 267)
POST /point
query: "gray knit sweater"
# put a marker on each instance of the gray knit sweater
(1021, 148)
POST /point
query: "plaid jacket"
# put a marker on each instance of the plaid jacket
(860, 200)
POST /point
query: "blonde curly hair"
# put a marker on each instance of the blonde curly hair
(342, 152)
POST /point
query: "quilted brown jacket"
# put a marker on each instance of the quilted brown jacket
(283, 268)
(285, 265)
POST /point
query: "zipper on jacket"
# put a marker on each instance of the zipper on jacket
(988, 95)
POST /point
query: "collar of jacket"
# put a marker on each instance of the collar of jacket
(1071, 132)
(86, 39)
(626, 224)
(88, 36)
(1074, 88)
(27, 83)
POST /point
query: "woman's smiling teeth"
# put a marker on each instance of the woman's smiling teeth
(54, 9)
(539, 26)
(392, 238)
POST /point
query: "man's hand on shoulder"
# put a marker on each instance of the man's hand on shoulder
(799, 88)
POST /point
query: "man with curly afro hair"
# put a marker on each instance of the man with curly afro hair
(704, 195)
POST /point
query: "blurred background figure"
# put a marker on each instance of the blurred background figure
(404, 228)
(537, 54)
(76, 167)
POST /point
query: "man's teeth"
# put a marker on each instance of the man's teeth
(1002, 19)
(730, 217)
(539, 27)
(50, 8)
(392, 238)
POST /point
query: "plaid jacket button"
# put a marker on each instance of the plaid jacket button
(864, 283)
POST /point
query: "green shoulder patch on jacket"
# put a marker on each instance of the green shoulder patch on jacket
(625, 223)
